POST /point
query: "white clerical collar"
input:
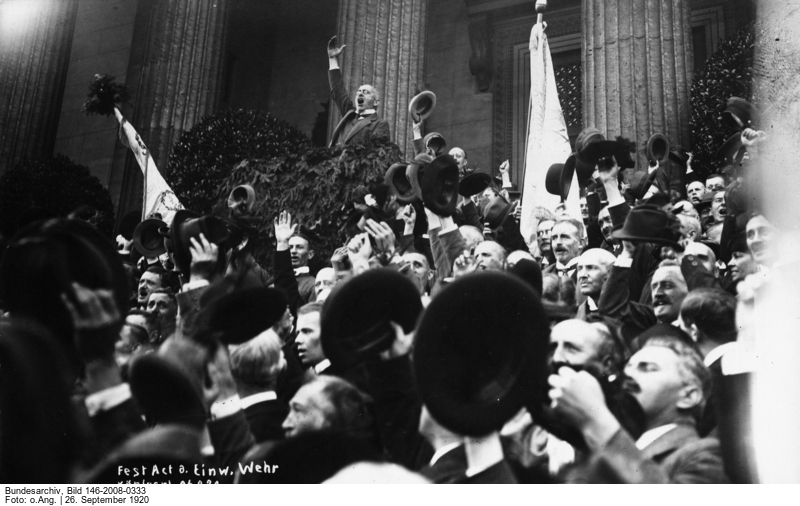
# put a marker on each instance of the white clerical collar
(301, 270)
(322, 366)
(367, 112)
(248, 401)
(443, 450)
(651, 435)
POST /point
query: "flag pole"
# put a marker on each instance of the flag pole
(541, 8)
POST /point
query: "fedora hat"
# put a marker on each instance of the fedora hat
(647, 223)
(594, 149)
(146, 239)
(640, 184)
(398, 181)
(558, 180)
(243, 314)
(733, 150)
(495, 212)
(421, 106)
(474, 183)
(657, 148)
(165, 392)
(187, 224)
(476, 361)
(440, 185)
(436, 142)
(679, 155)
(242, 195)
(356, 315)
(741, 112)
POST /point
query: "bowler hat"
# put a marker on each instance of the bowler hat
(165, 393)
(474, 183)
(355, 319)
(742, 112)
(495, 212)
(401, 186)
(242, 194)
(558, 179)
(146, 239)
(733, 150)
(421, 106)
(646, 223)
(679, 155)
(657, 148)
(481, 351)
(244, 314)
(440, 185)
(435, 141)
(188, 224)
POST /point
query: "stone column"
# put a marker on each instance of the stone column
(175, 75)
(637, 69)
(385, 48)
(35, 41)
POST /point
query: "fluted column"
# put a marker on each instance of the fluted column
(385, 48)
(35, 41)
(637, 69)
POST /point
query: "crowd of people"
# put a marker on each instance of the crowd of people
(436, 345)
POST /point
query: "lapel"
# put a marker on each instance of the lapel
(360, 125)
(337, 132)
(669, 442)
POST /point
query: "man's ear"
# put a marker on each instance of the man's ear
(310, 254)
(690, 396)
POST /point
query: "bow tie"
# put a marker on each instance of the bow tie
(563, 271)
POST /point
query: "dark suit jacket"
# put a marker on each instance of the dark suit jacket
(265, 419)
(450, 468)
(679, 456)
(351, 129)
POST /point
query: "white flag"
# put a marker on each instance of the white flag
(159, 197)
(548, 141)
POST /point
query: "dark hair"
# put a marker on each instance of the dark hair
(690, 366)
(311, 307)
(168, 291)
(614, 344)
(713, 310)
(352, 408)
(562, 292)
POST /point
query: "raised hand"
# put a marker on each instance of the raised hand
(333, 49)
(409, 218)
(383, 235)
(96, 319)
(752, 137)
(204, 258)
(401, 344)
(359, 249)
(284, 230)
(504, 167)
(221, 385)
(464, 264)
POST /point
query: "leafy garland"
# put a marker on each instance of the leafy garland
(104, 94)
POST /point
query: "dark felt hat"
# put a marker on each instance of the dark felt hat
(679, 155)
(421, 106)
(398, 181)
(165, 393)
(146, 239)
(658, 148)
(594, 150)
(242, 196)
(481, 351)
(495, 212)
(435, 141)
(440, 185)
(530, 272)
(648, 223)
(244, 314)
(558, 179)
(474, 183)
(128, 224)
(640, 184)
(355, 319)
(741, 112)
(705, 202)
(188, 224)
(733, 150)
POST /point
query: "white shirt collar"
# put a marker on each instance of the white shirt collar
(570, 265)
(651, 435)
(717, 353)
(248, 401)
(301, 270)
(367, 112)
(322, 366)
(591, 304)
(443, 450)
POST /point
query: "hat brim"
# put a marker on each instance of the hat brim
(146, 231)
(732, 149)
(474, 183)
(623, 236)
(422, 106)
(440, 185)
(396, 179)
(658, 148)
(181, 254)
(250, 196)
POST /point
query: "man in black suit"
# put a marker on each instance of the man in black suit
(360, 122)
(255, 366)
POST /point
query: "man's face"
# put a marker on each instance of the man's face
(489, 256)
(309, 347)
(419, 266)
(606, 227)
(760, 239)
(584, 210)
(741, 265)
(460, 156)
(308, 411)
(366, 98)
(575, 342)
(127, 346)
(148, 283)
(718, 207)
(592, 273)
(657, 383)
(566, 243)
(326, 279)
(298, 248)
(162, 305)
(715, 184)
(543, 235)
(695, 191)
(669, 290)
